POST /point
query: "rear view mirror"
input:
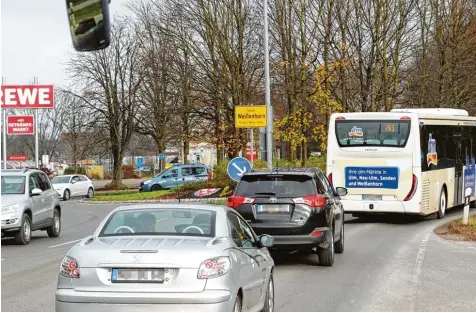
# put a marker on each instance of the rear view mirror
(36, 192)
(89, 24)
(266, 241)
(341, 191)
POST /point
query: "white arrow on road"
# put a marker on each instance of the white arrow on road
(240, 170)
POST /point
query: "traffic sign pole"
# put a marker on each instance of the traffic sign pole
(37, 145)
(252, 145)
(269, 124)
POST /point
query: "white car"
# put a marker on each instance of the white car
(68, 186)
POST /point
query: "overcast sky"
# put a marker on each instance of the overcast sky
(35, 40)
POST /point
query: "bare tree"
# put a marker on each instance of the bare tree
(112, 80)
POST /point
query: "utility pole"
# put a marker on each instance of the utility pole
(269, 108)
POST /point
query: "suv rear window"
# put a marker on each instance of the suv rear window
(282, 185)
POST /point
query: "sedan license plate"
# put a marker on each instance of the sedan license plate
(276, 208)
(137, 275)
(372, 197)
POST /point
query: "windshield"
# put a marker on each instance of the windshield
(160, 222)
(388, 133)
(13, 185)
(60, 180)
(276, 185)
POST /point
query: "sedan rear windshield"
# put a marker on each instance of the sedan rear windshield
(161, 222)
(276, 185)
(387, 133)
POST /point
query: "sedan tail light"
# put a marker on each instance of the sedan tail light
(69, 267)
(235, 201)
(213, 268)
(314, 201)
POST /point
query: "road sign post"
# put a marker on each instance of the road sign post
(28, 97)
(20, 125)
(237, 167)
(251, 116)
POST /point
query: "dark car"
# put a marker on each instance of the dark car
(298, 207)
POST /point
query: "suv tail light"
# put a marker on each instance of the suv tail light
(69, 267)
(330, 178)
(235, 201)
(413, 189)
(315, 201)
(209, 174)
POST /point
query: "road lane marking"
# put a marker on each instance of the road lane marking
(64, 243)
(418, 267)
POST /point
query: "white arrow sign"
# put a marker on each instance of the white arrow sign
(241, 171)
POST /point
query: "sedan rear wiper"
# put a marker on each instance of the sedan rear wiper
(265, 193)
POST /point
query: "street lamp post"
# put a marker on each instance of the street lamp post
(269, 124)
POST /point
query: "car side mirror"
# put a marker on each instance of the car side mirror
(266, 241)
(36, 192)
(341, 191)
(89, 23)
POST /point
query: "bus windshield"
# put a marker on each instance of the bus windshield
(387, 133)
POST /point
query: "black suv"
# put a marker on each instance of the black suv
(298, 207)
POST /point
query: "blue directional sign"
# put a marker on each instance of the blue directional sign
(237, 167)
(140, 163)
(161, 156)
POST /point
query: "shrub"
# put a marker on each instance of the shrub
(95, 176)
(79, 170)
(112, 186)
(128, 171)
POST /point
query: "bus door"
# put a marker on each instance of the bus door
(459, 163)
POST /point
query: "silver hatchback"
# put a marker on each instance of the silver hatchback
(29, 203)
(168, 257)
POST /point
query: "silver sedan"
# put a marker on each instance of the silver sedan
(168, 257)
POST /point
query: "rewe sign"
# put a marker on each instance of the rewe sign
(27, 97)
(20, 125)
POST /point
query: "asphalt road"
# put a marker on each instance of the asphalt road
(386, 266)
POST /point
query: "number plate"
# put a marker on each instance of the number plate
(137, 275)
(277, 208)
(372, 197)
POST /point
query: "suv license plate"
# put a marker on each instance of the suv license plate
(277, 208)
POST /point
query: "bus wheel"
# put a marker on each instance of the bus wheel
(443, 205)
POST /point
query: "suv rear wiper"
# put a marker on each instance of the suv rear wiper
(265, 193)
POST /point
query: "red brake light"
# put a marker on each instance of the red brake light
(313, 201)
(235, 201)
(330, 178)
(405, 118)
(316, 233)
(413, 189)
(69, 267)
(209, 173)
(340, 118)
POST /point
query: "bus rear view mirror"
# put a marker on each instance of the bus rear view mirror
(89, 24)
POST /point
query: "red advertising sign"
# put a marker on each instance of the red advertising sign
(20, 125)
(27, 97)
(17, 158)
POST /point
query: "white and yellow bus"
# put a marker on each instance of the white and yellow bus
(409, 161)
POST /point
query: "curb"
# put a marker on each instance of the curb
(472, 211)
(198, 200)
